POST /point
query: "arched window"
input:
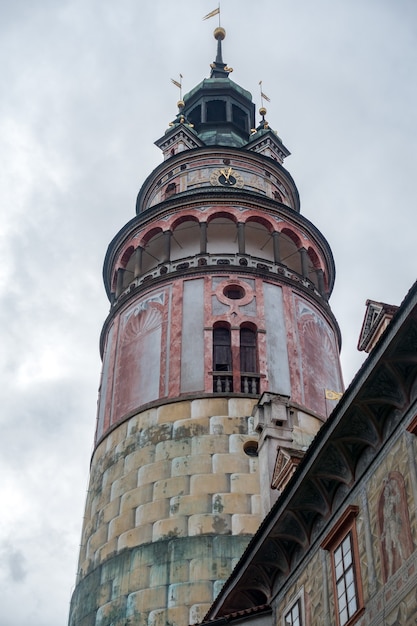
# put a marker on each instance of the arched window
(222, 360)
(222, 352)
(248, 360)
(249, 377)
(235, 366)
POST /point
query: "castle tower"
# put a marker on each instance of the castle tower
(217, 351)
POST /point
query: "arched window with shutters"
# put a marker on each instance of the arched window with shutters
(248, 350)
(222, 359)
(249, 376)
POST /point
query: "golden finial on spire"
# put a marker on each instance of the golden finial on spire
(219, 33)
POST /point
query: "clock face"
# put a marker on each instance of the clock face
(227, 177)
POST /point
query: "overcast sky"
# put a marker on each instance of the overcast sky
(85, 91)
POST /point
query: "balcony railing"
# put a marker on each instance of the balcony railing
(210, 260)
(249, 383)
(223, 383)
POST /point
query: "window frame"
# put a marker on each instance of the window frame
(346, 526)
(297, 599)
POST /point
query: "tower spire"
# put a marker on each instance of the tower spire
(219, 69)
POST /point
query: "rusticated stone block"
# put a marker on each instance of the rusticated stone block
(217, 587)
(189, 593)
(110, 511)
(152, 511)
(173, 412)
(231, 503)
(146, 600)
(147, 418)
(154, 471)
(191, 427)
(184, 465)
(245, 524)
(154, 434)
(179, 571)
(241, 406)
(112, 473)
(139, 578)
(97, 540)
(134, 537)
(209, 568)
(115, 437)
(207, 444)
(133, 498)
(209, 483)
(140, 457)
(175, 616)
(171, 487)
(236, 442)
(229, 546)
(170, 449)
(206, 407)
(189, 505)
(224, 425)
(104, 593)
(108, 550)
(198, 612)
(256, 505)
(120, 524)
(114, 612)
(230, 463)
(244, 483)
(209, 523)
(171, 527)
(123, 484)
(159, 575)
(141, 420)
(104, 497)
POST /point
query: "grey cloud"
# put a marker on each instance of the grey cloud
(14, 562)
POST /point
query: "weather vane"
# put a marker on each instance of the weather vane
(213, 13)
(263, 95)
(178, 83)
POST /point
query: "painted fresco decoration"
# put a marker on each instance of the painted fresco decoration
(394, 525)
(143, 305)
(321, 370)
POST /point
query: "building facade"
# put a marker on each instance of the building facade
(217, 351)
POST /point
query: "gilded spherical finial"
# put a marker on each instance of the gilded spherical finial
(219, 33)
(262, 111)
(180, 104)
